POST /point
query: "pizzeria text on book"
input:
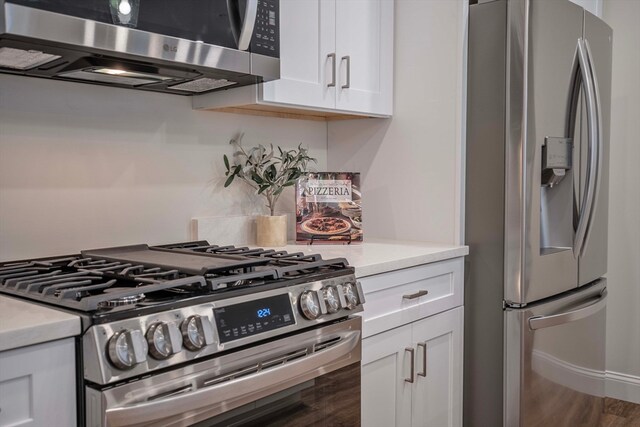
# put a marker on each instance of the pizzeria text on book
(329, 208)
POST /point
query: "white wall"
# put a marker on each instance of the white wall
(623, 311)
(88, 166)
(411, 164)
(593, 6)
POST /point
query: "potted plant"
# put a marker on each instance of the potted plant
(269, 173)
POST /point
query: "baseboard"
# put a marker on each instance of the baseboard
(623, 387)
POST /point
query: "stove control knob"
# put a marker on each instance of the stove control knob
(164, 340)
(309, 305)
(331, 299)
(196, 332)
(350, 296)
(127, 348)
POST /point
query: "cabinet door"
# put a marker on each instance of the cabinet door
(38, 385)
(364, 44)
(386, 396)
(307, 37)
(437, 393)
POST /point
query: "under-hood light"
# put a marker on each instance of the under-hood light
(115, 76)
(132, 74)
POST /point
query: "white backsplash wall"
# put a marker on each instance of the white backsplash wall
(86, 166)
(411, 164)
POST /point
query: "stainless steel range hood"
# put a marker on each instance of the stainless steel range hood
(41, 43)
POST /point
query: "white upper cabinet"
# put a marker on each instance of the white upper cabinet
(307, 39)
(364, 49)
(336, 60)
(335, 54)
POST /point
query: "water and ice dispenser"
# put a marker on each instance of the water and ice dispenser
(556, 195)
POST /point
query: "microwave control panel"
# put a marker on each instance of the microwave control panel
(266, 33)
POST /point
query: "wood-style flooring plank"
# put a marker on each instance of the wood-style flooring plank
(618, 413)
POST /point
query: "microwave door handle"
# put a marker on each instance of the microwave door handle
(597, 145)
(242, 390)
(248, 24)
(234, 18)
(581, 77)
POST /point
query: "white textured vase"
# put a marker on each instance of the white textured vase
(271, 230)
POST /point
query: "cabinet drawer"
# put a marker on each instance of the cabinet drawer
(404, 296)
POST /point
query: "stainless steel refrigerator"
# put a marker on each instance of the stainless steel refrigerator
(539, 85)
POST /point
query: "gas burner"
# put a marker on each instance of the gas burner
(120, 301)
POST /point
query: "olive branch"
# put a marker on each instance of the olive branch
(267, 173)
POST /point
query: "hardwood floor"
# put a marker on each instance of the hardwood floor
(620, 414)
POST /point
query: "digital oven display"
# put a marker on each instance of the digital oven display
(253, 317)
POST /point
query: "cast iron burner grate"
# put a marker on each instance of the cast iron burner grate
(91, 283)
(86, 285)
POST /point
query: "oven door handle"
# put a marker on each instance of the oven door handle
(220, 397)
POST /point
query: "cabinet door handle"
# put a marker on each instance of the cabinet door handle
(424, 359)
(348, 85)
(416, 295)
(412, 352)
(332, 56)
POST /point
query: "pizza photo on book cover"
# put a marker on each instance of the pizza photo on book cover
(329, 208)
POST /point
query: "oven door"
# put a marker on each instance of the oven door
(303, 379)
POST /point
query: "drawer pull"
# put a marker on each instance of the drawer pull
(416, 295)
(412, 352)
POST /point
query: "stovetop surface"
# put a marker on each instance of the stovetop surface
(128, 281)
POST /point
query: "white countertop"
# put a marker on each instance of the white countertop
(375, 256)
(23, 323)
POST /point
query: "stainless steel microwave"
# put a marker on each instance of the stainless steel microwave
(183, 47)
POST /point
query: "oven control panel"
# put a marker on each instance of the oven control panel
(134, 347)
(253, 317)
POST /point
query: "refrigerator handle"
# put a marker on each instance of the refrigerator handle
(599, 146)
(541, 322)
(581, 76)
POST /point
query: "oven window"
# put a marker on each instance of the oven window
(329, 400)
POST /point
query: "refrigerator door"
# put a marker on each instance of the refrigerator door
(542, 44)
(593, 259)
(555, 360)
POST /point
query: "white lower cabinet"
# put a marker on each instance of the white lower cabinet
(386, 396)
(37, 385)
(412, 369)
(412, 375)
(437, 393)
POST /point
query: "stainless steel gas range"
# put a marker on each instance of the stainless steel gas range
(193, 333)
